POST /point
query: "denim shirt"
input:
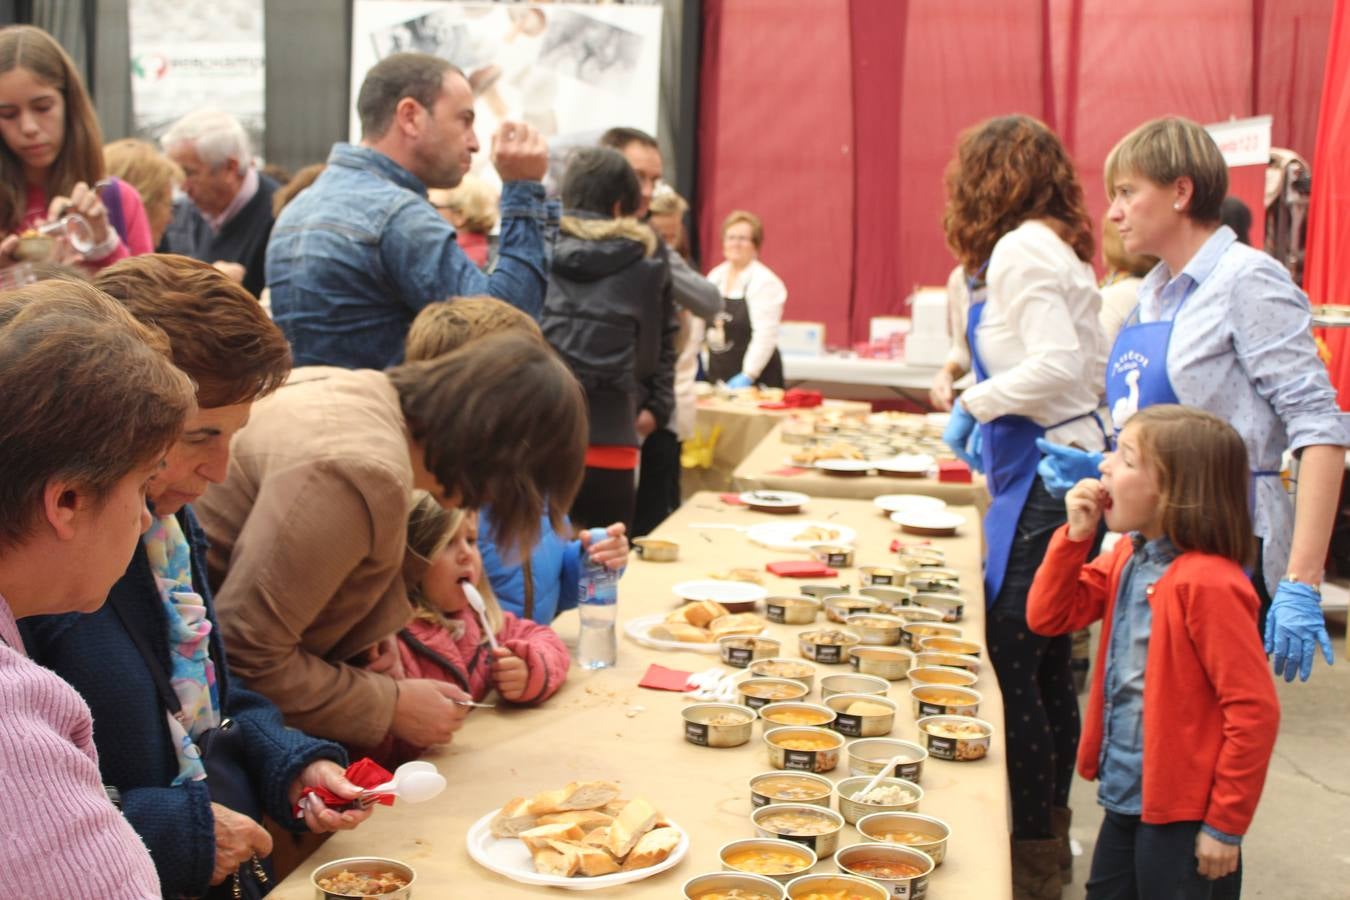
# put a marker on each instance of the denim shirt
(355, 256)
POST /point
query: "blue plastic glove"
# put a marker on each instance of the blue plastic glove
(975, 447)
(740, 381)
(1063, 467)
(1294, 628)
(958, 431)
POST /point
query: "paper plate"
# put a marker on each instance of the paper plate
(723, 592)
(787, 535)
(846, 466)
(511, 858)
(932, 523)
(895, 503)
(914, 465)
(774, 501)
(639, 632)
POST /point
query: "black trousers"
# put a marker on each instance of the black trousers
(1040, 706)
(658, 490)
(606, 496)
(1136, 861)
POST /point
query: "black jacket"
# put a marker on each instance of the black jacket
(243, 239)
(609, 312)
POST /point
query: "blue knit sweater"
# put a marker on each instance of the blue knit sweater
(95, 654)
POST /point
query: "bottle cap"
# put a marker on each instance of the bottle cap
(597, 534)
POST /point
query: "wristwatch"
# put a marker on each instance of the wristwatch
(1294, 579)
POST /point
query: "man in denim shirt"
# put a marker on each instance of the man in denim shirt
(355, 256)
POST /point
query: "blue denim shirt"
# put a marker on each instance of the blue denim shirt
(355, 256)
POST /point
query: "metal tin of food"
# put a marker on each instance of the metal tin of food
(799, 787)
(796, 712)
(933, 580)
(840, 885)
(822, 754)
(838, 607)
(722, 883)
(764, 846)
(919, 557)
(827, 645)
(821, 591)
(740, 650)
(858, 724)
(823, 843)
(833, 555)
(863, 859)
(926, 833)
(955, 738)
(781, 667)
(943, 644)
(919, 675)
(831, 685)
(656, 550)
(791, 610)
(711, 725)
(944, 700)
(363, 865)
(878, 576)
(891, 663)
(853, 810)
(910, 633)
(918, 614)
(875, 628)
(757, 692)
(870, 755)
(892, 597)
(950, 660)
(951, 606)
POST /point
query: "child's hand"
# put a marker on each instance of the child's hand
(1084, 503)
(612, 551)
(509, 674)
(1215, 858)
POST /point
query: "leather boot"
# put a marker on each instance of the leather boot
(1035, 870)
(1061, 817)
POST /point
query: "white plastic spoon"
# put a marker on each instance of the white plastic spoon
(476, 601)
(884, 773)
(415, 787)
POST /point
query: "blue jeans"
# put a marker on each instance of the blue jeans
(1137, 861)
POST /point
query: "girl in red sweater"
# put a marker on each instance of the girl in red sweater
(1182, 715)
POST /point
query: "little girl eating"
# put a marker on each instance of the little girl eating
(1182, 715)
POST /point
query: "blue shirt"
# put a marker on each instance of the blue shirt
(1241, 349)
(356, 255)
(555, 566)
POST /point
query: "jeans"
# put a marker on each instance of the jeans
(1137, 861)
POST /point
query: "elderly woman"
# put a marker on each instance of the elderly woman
(743, 345)
(152, 174)
(1222, 327)
(197, 759)
(88, 405)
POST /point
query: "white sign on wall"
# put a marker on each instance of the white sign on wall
(1243, 142)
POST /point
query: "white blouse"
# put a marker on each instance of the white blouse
(765, 297)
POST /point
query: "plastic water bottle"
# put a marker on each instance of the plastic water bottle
(598, 603)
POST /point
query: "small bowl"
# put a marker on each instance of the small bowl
(797, 713)
(827, 645)
(860, 725)
(880, 576)
(944, 700)
(853, 684)
(875, 628)
(35, 248)
(853, 810)
(833, 555)
(910, 633)
(821, 591)
(720, 884)
(892, 597)
(917, 614)
(949, 660)
(919, 557)
(839, 607)
(791, 610)
(656, 550)
(805, 855)
(869, 756)
(951, 606)
(891, 663)
(836, 885)
(944, 644)
(757, 692)
(929, 581)
(822, 756)
(935, 832)
(943, 675)
(942, 744)
(780, 667)
(740, 650)
(767, 788)
(701, 730)
(912, 887)
(365, 865)
(823, 844)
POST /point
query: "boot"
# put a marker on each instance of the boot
(1035, 870)
(1060, 819)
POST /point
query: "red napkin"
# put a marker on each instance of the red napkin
(954, 471)
(786, 470)
(796, 399)
(364, 773)
(659, 678)
(801, 568)
(731, 499)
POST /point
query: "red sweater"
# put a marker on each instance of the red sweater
(1210, 712)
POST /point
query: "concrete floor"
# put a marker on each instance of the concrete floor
(1299, 843)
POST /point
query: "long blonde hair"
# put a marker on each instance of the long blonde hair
(430, 529)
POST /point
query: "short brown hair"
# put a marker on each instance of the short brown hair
(756, 226)
(81, 154)
(1007, 170)
(219, 334)
(1200, 464)
(416, 75)
(447, 325)
(1164, 150)
(621, 136)
(502, 421)
(87, 395)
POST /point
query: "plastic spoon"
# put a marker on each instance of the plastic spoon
(476, 601)
(885, 772)
(417, 786)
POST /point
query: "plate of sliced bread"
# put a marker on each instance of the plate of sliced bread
(696, 626)
(582, 837)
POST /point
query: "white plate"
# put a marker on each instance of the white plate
(937, 419)
(895, 503)
(639, 632)
(783, 535)
(908, 463)
(721, 591)
(789, 461)
(510, 857)
(937, 519)
(774, 499)
(848, 466)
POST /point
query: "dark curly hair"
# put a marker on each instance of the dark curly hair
(1008, 170)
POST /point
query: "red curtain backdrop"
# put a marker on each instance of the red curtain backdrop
(1326, 277)
(832, 118)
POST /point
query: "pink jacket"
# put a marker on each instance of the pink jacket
(61, 838)
(428, 651)
(137, 239)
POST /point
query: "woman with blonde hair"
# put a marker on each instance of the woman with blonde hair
(152, 174)
(472, 208)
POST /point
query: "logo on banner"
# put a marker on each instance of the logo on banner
(149, 66)
(1129, 361)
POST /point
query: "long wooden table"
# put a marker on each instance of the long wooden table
(602, 726)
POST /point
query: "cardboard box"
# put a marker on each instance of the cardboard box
(801, 338)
